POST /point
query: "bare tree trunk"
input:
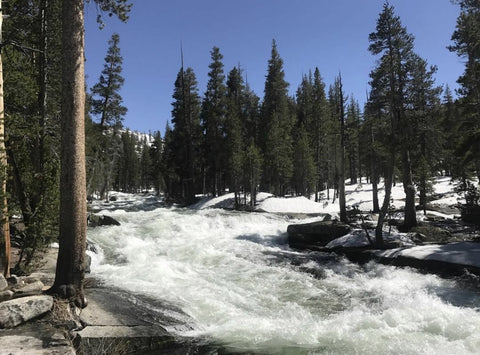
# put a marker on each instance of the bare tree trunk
(409, 188)
(374, 178)
(386, 202)
(3, 173)
(70, 270)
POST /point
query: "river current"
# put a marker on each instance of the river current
(235, 276)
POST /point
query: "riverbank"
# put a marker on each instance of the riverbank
(114, 322)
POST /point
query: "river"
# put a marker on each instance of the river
(235, 276)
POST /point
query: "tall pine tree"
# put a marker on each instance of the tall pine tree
(276, 128)
(186, 142)
(213, 123)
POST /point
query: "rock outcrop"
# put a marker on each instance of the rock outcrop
(316, 234)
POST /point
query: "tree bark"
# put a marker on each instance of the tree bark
(374, 177)
(3, 173)
(341, 173)
(70, 270)
(409, 188)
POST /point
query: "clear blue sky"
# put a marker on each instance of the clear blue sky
(332, 35)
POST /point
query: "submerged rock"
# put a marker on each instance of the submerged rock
(315, 234)
(95, 220)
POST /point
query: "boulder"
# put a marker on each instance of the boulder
(471, 214)
(17, 311)
(316, 234)
(6, 295)
(95, 220)
(3, 283)
(30, 289)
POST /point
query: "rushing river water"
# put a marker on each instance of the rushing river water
(235, 276)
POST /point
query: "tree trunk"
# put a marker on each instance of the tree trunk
(3, 173)
(386, 201)
(341, 174)
(373, 173)
(70, 270)
(409, 188)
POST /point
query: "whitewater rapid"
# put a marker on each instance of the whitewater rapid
(235, 276)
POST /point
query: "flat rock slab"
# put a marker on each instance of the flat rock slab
(452, 258)
(108, 308)
(35, 337)
(24, 344)
(123, 339)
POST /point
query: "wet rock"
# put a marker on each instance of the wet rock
(88, 263)
(315, 234)
(95, 220)
(470, 214)
(3, 283)
(17, 311)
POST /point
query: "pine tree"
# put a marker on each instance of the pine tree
(234, 132)
(423, 102)
(168, 166)
(250, 115)
(213, 123)
(319, 128)
(146, 165)
(157, 169)
(304, 177)
(187, 136)
(32, 103)
(106, 98)
(352, 136)
(450, 127)
(70, 270)
(392, 41)
(466, 43)
(337, 101)
(106, 104)
(253, 170)
(276, 128)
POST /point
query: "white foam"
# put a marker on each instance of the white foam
(227, 270)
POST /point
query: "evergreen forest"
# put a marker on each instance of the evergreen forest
(227, 138)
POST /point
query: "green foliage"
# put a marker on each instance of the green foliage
(32, 105)
(466, 43)
(234, 132)
(276, 125)
(106, 101)
(186, 142)
(106, 104)
(213, 124)
(252, 163)
(120, 8)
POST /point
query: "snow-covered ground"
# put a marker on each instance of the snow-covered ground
(357, 195)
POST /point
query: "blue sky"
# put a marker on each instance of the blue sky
(330, 35)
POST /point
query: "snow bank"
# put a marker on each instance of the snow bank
(461, 253)
(358, 238)
(293, 205)
(357, 195)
